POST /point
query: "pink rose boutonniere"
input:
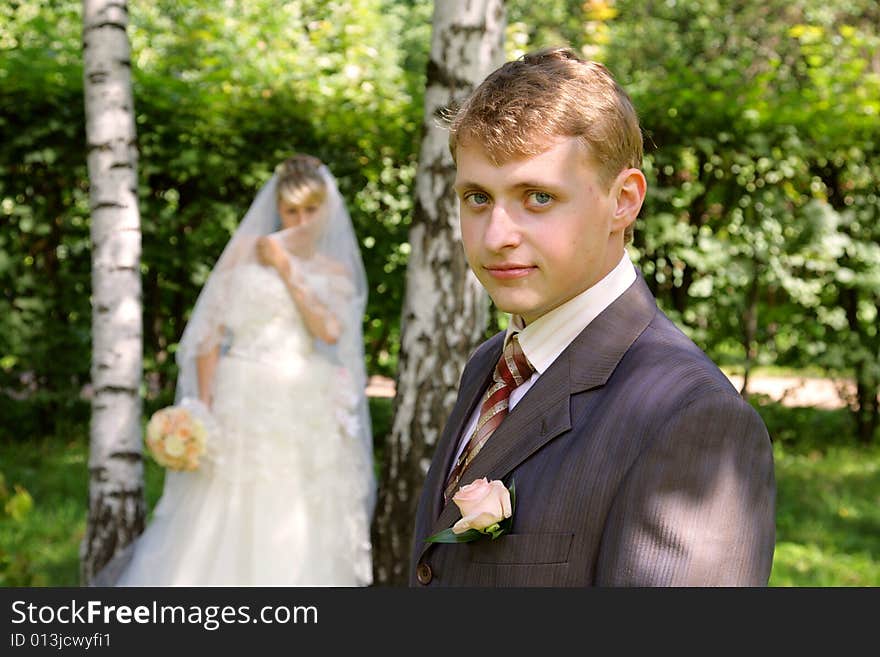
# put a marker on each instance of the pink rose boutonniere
(486, 510)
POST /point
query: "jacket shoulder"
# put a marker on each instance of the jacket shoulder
(484, 352)
(665, 359)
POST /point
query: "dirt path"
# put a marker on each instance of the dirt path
(789, 390)
(800, 391)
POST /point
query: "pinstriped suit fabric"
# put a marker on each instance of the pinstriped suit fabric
(636, 464)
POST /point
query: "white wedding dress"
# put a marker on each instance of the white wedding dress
(280, 498)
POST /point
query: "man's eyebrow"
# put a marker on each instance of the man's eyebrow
(524, 184)
(467, 184)
(534, 183)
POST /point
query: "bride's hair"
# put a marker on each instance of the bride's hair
(300, 181)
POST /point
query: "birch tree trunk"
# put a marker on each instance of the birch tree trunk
(445, 309)
(116, 490)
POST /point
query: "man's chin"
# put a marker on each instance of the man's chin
(514, 306)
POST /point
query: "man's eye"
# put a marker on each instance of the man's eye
(477, 198)
(539, 198)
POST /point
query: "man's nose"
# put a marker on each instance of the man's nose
(502, 230)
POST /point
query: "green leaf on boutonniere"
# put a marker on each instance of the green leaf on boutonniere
(449, 536)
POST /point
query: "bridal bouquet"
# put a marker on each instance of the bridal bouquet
(176, 437)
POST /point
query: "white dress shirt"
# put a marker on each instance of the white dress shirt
(544, 339)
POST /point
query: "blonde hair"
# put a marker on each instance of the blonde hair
(520, 108)
(300, 181)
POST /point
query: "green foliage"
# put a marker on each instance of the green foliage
(16, 568)
(44, 266)
(536, 25)
(217, 106)
(760, 232)
(218, 111)
(17, 504)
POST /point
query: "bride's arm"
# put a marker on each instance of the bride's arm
(318, 318)
(206, 364)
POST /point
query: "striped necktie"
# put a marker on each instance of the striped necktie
(512, 370)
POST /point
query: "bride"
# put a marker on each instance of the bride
(273, 357)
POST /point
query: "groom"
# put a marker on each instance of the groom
(635, 461)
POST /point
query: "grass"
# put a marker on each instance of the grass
(828, 499)
(42, 549)
(828, 518)
(828, 502)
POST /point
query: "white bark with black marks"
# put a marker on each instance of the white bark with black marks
(116, 491)
(445, 309)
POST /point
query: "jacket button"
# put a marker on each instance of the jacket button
(423, 573)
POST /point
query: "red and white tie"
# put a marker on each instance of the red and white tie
(512, 370)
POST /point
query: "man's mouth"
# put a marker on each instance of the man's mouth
(509, 271)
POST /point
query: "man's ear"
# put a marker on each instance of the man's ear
(630, 186)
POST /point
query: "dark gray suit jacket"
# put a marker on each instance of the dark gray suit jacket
(636, 463)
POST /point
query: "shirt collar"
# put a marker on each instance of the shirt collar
(544, 339)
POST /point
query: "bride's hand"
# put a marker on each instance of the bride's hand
(271, 253)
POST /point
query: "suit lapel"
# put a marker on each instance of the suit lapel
(468, 398)
(536, 419)
(544, 412)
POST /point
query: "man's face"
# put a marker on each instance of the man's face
(537, 231)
